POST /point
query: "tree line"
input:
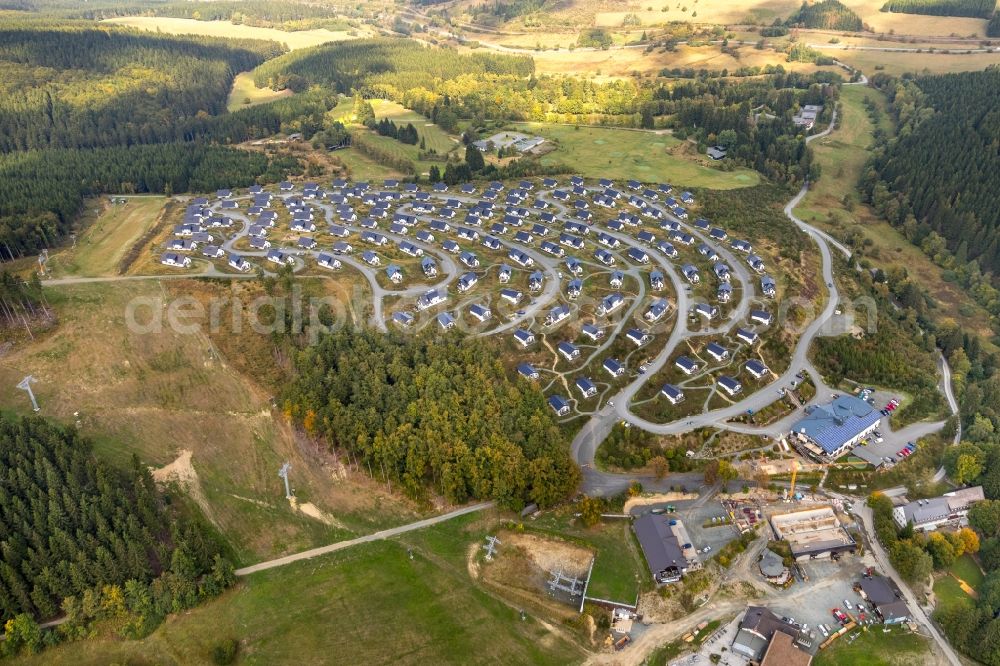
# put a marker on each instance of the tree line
(971, 8)
(826, 15)
(261, 13)
(993, 27)
(431, 415)
(403, 133)
(446, 85)
(42, 191)
(86, 539)
(941, 174)
(69, 85)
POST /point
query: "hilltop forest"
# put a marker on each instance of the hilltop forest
(433, 415)
(826, 15)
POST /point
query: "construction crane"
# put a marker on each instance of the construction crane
(795, 472)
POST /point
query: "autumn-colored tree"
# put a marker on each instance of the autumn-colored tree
(660, 467)
(590, 511)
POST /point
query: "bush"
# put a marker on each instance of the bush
(225, 652)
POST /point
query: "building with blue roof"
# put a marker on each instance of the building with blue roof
(829, 431)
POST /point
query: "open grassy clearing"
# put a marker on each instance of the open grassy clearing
(842, 157)
(187, 399)
(620, 571)
(180, 26)
(968, 570)
(597, 152)
(434, 137)
(652, 13)
(369, 604)
(874, 648)
(920, 63)
(107, 233)
(245, 93)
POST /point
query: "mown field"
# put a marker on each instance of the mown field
(180, 26)
(627, 62)
(371, 604)
(434, 137)
(245, 93)
(108, 232)
(621, 154)
(920, 63)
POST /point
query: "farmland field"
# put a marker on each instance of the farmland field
(180, 26)
(625, 62)
(920, 63)
(371, 604)
(245, 93)
(107, 236)
(621, 154)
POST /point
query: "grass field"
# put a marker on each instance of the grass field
(874, 648)
(245, 93)
(949, 592)
(180, 26)
(162, 393)
(108, 232)
(617, 153)
(842, 157)
(371, 604)
(362, 167)
(968, 570)
(920, 63)
(434, 137)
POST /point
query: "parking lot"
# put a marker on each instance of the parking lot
(714, 537)
(811, 602)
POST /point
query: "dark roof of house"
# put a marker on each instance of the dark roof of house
(658, 542)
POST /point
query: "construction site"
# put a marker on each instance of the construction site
(813, 533)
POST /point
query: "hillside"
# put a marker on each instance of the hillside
(941, 175)
(826, 15)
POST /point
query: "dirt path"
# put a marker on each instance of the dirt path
(182, 472)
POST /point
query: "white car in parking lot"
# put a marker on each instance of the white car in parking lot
(847, 605)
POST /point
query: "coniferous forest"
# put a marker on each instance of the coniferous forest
(87, 110)
(942, 173)
(972, 8)
(433, 415)
(77, 86)
(826, 15)
(73, 529)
